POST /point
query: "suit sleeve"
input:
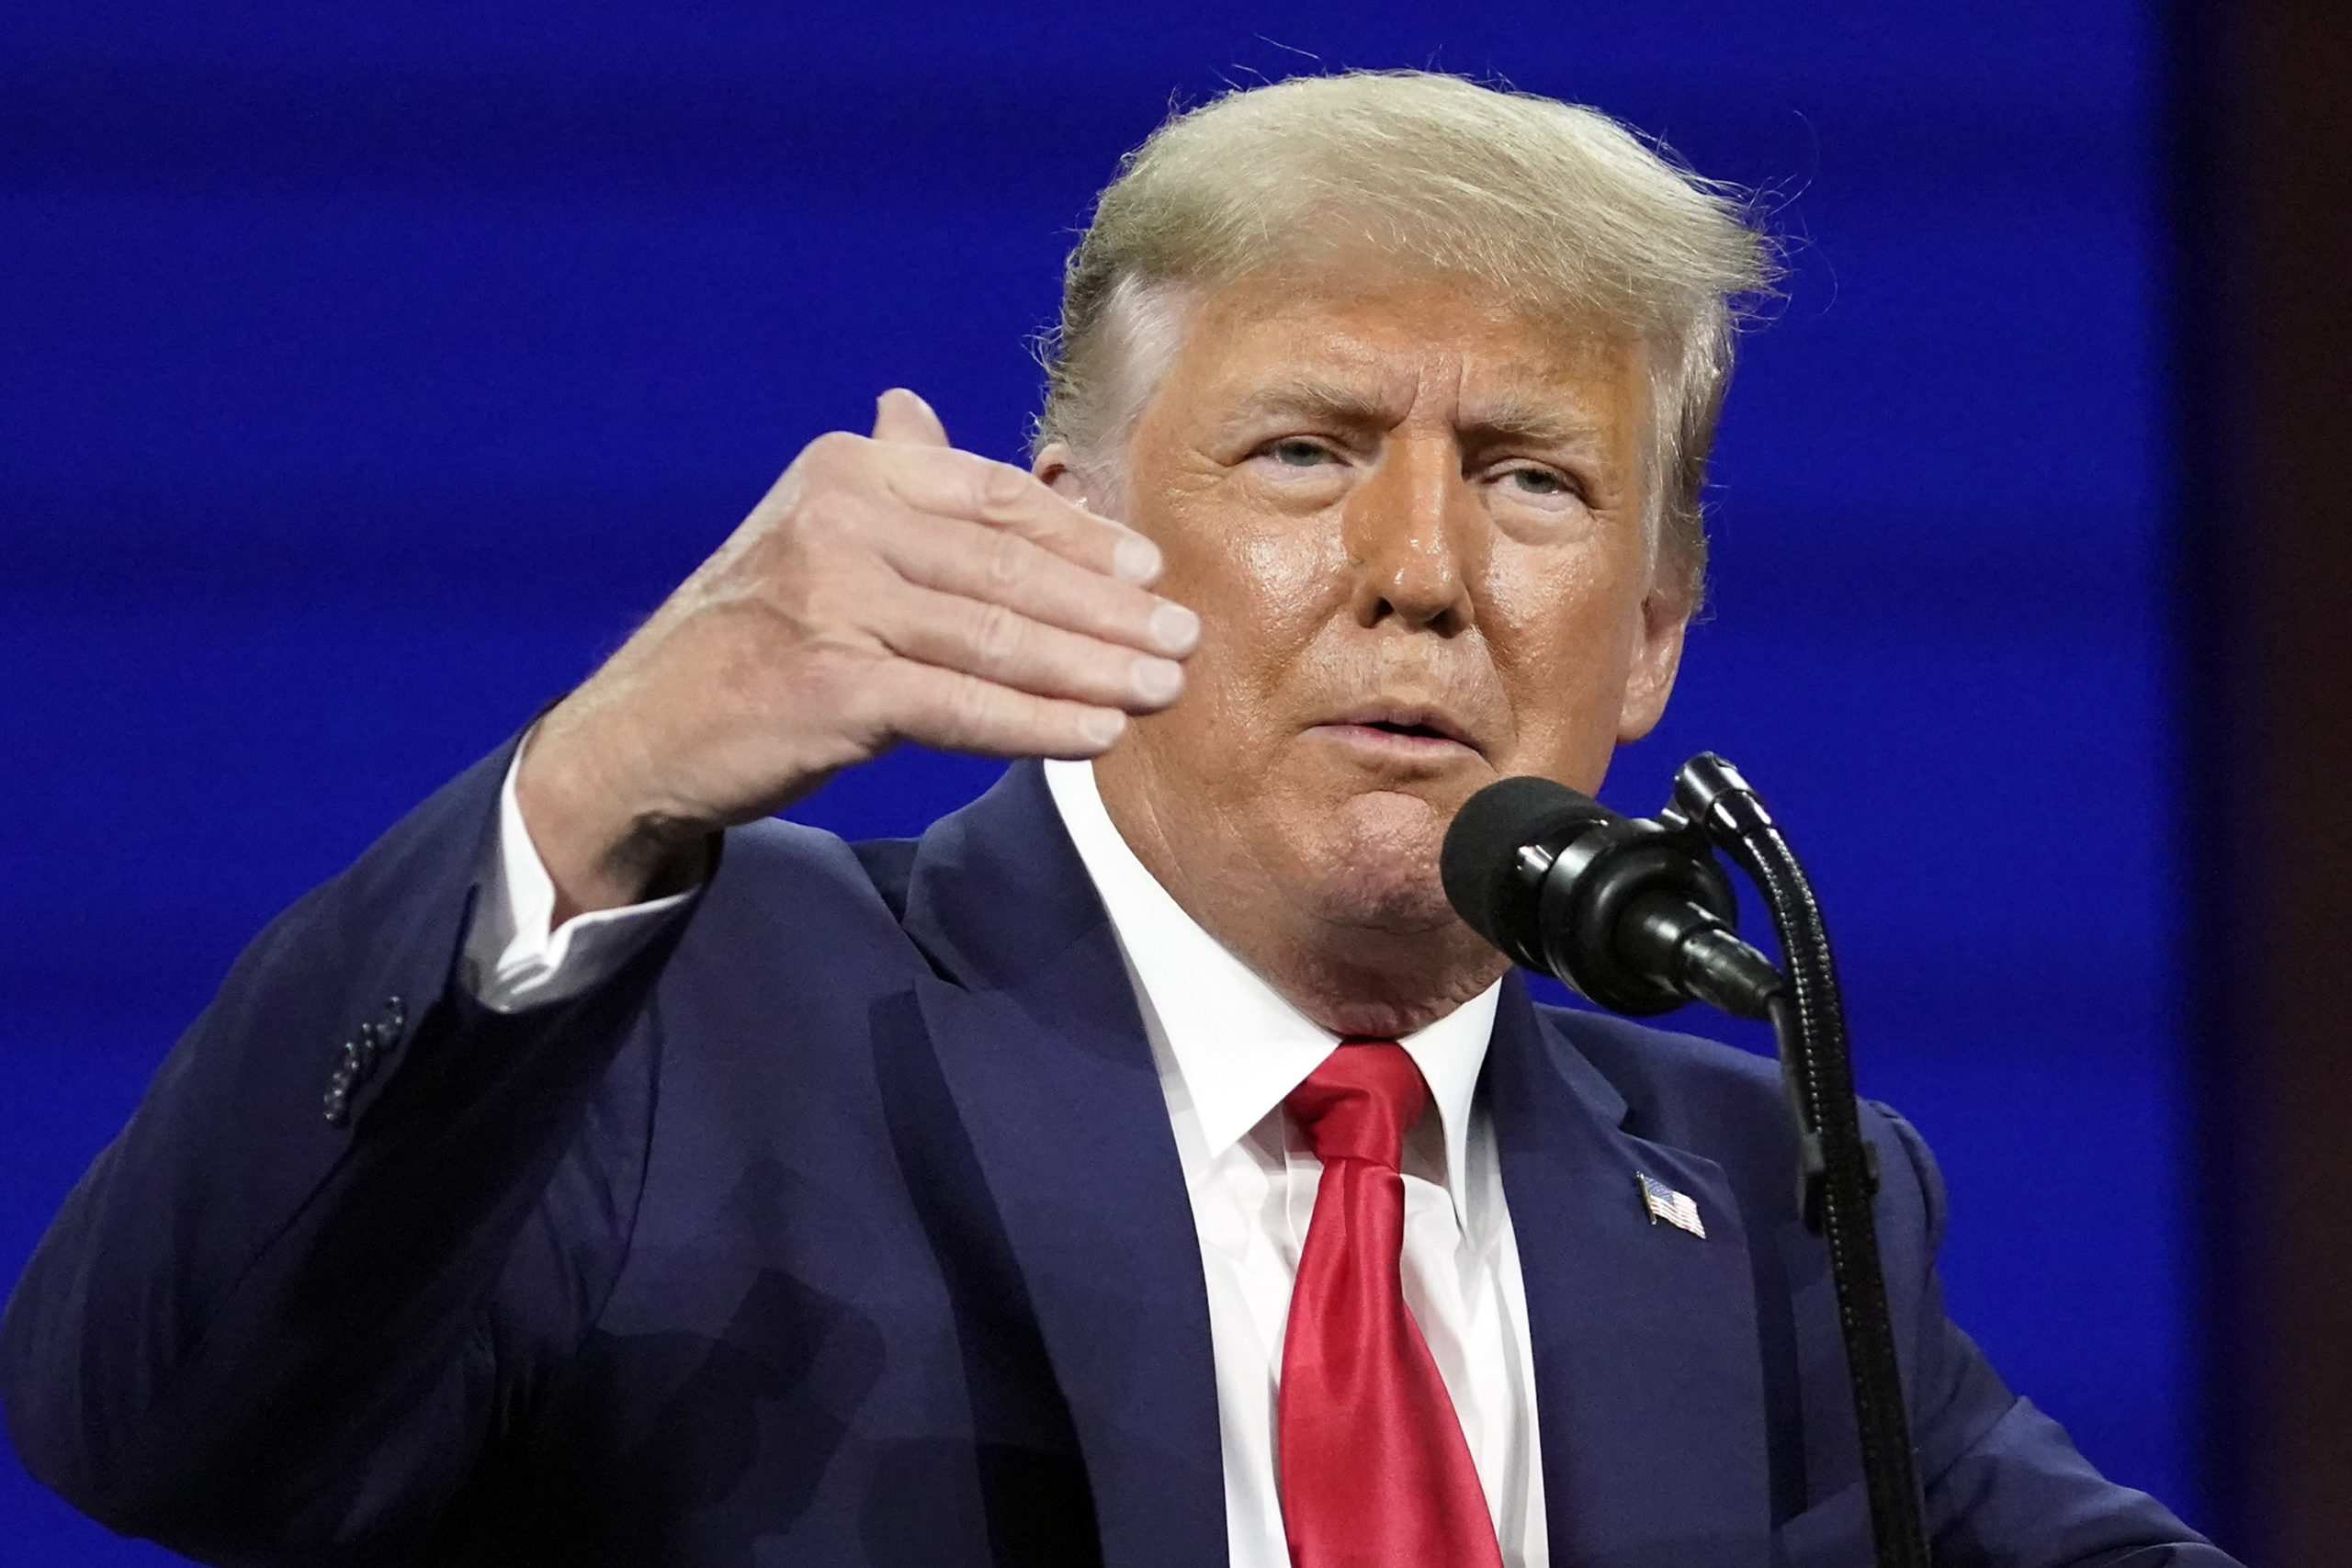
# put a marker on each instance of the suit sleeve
(270, 1324)
(2005, 1487)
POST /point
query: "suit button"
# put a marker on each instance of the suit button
(337, 1105)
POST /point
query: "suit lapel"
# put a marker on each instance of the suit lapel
(1649, 1390)
(1038, 1041)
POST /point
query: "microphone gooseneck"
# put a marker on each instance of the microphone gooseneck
(1636, 914)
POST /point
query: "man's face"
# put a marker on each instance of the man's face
(1413, 521)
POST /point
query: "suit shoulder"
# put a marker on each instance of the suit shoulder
(774, 846)
(773, 874)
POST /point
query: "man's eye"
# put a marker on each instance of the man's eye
(1299, 454)
(1537, 481)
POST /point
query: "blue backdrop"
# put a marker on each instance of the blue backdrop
(368, 369)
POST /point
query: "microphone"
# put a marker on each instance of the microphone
(1634, 914)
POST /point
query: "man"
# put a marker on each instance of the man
(1144, 1166)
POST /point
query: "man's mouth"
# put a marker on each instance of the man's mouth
(1391, 726)
(1407, 731)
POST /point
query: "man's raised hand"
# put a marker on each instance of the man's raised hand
(888, 588)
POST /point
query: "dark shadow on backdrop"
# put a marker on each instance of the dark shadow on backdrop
(2263, 175)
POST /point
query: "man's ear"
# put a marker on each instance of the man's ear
(1656, 661)
(1054, 469)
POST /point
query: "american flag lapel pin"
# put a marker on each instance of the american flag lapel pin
(1675, 1208)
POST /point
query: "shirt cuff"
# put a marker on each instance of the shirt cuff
(512, 961)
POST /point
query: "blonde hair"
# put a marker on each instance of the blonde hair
(1555, 205)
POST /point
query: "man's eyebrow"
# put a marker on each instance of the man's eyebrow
(1528, 420)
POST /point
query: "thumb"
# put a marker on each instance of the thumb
(900, 415)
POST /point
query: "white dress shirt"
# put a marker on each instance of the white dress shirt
(1229, 1049)
(513, 959)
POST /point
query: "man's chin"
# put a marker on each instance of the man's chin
(1371, 862)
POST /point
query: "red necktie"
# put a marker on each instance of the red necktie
(1374, 1469)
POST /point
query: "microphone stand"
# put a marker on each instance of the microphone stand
(1837, 1170)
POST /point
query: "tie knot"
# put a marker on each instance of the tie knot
(1360, 1103)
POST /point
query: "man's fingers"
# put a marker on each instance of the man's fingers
(1008, 648)
(958, 484)
(900, 415)
(964, 712)
(998, 567)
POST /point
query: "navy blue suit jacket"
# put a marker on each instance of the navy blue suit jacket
(845, 1226)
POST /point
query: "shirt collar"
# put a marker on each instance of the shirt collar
(1239, 1047)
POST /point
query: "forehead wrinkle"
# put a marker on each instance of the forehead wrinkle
(1315, 397)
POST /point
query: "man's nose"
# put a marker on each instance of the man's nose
(1410, 529)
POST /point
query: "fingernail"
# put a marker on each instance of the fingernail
(1136, 560)
(1101, 726)
(1176, 630)
(1157, 679)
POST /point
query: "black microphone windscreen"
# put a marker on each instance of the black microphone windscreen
(1479, 861)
